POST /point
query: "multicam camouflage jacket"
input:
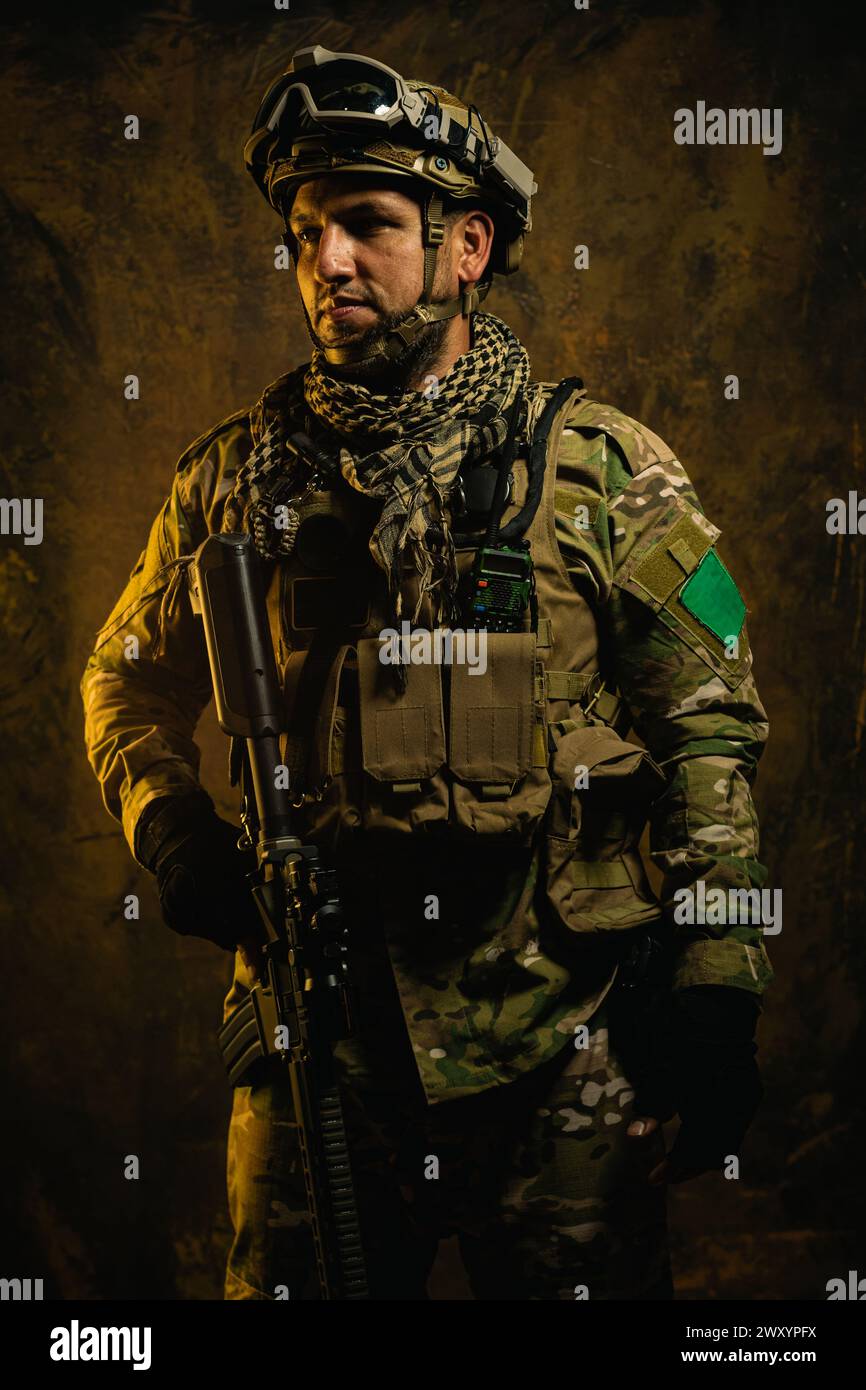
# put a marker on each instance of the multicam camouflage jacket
(491, 859)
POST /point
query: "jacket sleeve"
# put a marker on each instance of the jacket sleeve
(147, 680)
(675, 642)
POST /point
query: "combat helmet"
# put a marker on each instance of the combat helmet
(345, 113)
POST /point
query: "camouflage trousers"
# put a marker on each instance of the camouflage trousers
(546, 1195)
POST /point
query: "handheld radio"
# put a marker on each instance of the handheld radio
(502, 580)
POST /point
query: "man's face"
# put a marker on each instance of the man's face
(360, 270)
(360, 257)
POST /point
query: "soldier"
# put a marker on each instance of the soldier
(519, 980)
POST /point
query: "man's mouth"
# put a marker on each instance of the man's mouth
(343, 308)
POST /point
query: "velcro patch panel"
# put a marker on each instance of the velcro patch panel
(668, 562)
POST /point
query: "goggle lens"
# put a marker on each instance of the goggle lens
(348, 86)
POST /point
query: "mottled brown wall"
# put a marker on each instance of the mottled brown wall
(155, 258)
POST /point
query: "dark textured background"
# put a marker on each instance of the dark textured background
(156, 257)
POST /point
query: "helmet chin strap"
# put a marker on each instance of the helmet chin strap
(388, 347)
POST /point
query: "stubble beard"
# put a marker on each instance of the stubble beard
(396, 375)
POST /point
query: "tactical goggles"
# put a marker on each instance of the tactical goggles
(346, 92)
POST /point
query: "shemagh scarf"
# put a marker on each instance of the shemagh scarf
(403, 448)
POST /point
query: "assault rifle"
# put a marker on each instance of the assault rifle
(306, 1003)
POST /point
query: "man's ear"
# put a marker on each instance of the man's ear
(476, 262)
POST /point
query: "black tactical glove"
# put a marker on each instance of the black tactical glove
(719, 1083)
(200, 872)
(701, 1064)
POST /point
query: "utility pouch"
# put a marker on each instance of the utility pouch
(603, 789)
(500, 783)
(402, 745)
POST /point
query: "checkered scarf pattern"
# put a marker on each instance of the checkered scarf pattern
(404, 448)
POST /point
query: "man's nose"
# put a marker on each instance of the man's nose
(334, 260)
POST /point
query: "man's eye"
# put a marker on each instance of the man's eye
(364, 226)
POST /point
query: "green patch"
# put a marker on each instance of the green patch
(712, 597)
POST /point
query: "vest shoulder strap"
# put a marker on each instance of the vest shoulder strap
(559, 395)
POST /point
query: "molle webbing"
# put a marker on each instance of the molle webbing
(587, 690)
